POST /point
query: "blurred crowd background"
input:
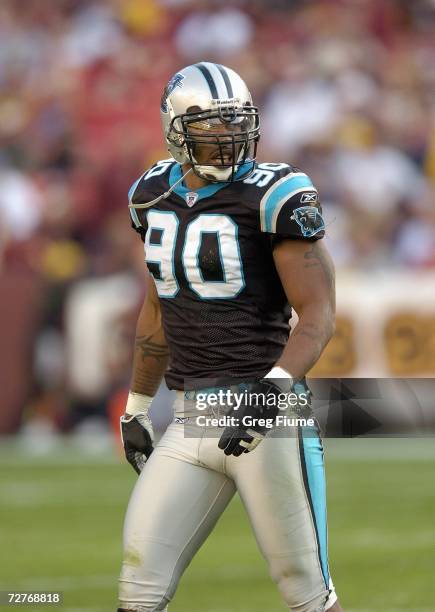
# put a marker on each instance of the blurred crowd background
(346, 91)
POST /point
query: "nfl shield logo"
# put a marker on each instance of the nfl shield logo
(191, 198)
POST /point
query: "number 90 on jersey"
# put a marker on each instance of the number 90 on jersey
(160, 247)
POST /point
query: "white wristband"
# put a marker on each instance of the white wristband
(278, 372)
(138, 403)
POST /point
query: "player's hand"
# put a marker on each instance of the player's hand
(236, 440)
(137, 430)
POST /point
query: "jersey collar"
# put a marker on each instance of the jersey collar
(203, 192)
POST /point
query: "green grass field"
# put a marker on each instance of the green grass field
(61, 530)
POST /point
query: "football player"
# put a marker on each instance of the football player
(230, 244)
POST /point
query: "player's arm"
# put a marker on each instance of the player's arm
(149, 364)
(150, 350)
(307, 275)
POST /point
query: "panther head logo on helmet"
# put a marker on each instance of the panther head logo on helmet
(176, 81)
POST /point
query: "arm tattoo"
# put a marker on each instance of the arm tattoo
(145, 382)
(149, 348)
(315, 258)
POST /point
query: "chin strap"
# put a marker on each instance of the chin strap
(163, 196)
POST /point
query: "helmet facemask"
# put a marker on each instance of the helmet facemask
(218, 142)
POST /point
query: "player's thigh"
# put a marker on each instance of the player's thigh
(282, 486)
(174, 506)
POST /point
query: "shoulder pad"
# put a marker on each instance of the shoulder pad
(290, 207)
(267, 173)
(148, 186)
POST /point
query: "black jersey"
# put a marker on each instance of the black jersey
(223, 307)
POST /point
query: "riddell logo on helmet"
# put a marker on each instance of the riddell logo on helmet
(228, 102)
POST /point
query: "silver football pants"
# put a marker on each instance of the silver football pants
(186, 485)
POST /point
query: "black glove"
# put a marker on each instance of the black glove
(137, 437)
(236, 440)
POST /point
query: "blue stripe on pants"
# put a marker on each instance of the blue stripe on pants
(314, 477)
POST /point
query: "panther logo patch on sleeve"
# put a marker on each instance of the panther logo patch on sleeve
(309, 220)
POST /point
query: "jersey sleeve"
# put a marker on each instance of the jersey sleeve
(135, 216)
(290, 208)
(149, 186)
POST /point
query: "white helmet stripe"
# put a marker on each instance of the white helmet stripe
(219, 80)
(227, 80)
(203, 68)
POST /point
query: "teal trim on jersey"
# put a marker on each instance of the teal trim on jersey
(133, 213)
(134, 217)
(203, 192)
(278, 192)
(314, 462)
(182, 191)
(133, 188)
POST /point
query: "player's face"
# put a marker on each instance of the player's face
(216, 143)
